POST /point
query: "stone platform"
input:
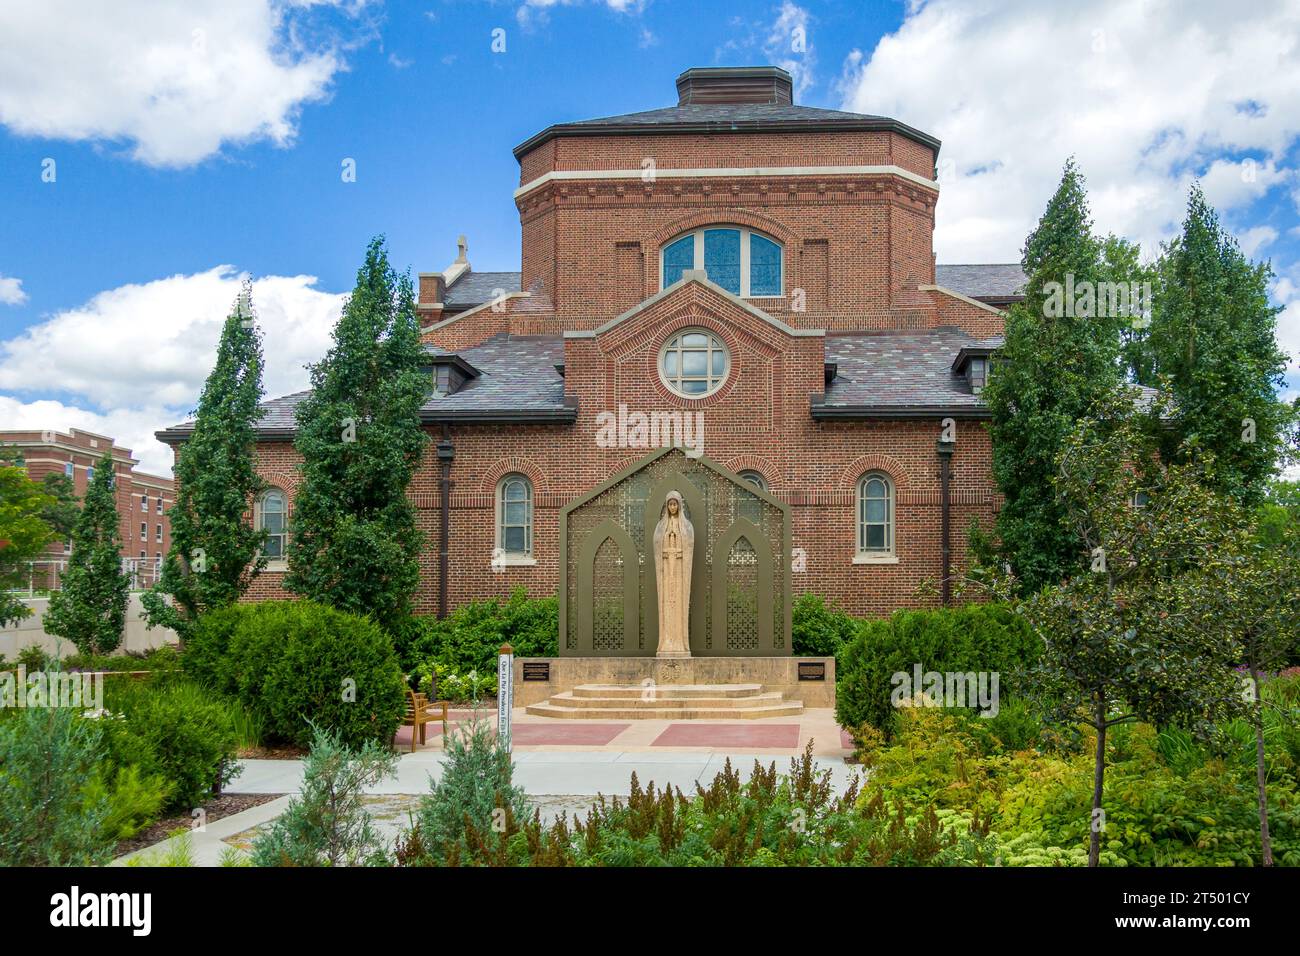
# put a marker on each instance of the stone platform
(622, 688)
(667, 702)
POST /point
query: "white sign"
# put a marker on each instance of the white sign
(505, 698)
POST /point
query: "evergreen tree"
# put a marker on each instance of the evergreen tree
(354, 543)
(24, 533)
(1213, 339)
(1060, 357)
(214, 552)
(90, 610)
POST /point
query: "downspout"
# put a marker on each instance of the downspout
(445, 455)
(945, 449)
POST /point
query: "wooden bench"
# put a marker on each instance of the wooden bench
(419, 712)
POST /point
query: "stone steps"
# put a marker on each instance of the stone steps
(667, 702)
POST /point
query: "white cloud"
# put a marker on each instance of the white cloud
(11, 291)
(789, 46)
(1145, 96)
(1255, 238)
(534, 12)
(176, 81)
(1286, 293)
(137, 355)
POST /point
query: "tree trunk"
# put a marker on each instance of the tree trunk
(1260, 786)
(1097, 822)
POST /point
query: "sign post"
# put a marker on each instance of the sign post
(505, 695)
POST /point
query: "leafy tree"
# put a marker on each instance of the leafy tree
(24, 533)
(63, 511)
(215, 551)
(1059, 359)
(354, 542)
(1213, 338)
(1279, 510)
(1126, 640)
(1122, 262)
(1258, 604)
(90, 610)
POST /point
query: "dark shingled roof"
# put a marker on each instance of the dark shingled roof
(475, 288)
(727, 118)
(995, 280)
(900, 370)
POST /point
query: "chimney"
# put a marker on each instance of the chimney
(735, 84)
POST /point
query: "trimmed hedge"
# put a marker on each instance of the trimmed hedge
(819, 629)
(468, 639)
(289, 662)
(976, 637)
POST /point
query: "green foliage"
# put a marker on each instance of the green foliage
(451, 685)
(1213, 335)
(354, 543)
(161, 658)
(1050, 373)
(34, 658)
(327, 824)
(290, 662)
(819, 629)
(214, 549)
(974, 637)
(90, 610)
(47, 817)
(24, 506)
(179, 731)
(134, 799)
(473, 797)
(469, 638)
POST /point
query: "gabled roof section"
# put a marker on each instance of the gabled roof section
(475, 288)
(985, 282)
(689, 276)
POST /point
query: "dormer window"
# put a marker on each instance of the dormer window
(450, 373)
(973, 364)
(744, 262)
(979, 373)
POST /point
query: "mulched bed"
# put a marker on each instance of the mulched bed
(282, 752)
(223, 806)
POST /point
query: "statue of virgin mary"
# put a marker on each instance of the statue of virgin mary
(674, 545)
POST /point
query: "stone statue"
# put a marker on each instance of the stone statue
(674, 550)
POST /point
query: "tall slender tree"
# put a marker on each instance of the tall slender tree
(90, 608)
(354, 543)
(24, 533)
(1060, 356)
(215, 551)
(1213, 336)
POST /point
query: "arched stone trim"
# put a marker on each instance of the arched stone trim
(764, 466)
(746, 529)
(509, 466)
(607, 530)
(724, 217)
(854, 470)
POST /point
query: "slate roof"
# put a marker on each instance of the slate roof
(998, 281)
(517, 382)
(475, 288)
(727, 118)
(900, 370)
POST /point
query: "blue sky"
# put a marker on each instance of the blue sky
(193, 147)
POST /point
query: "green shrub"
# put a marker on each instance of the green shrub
(47, 817)
(976, 637)
(472, 686)
(819, 630)
(134, 799)
(291, 661)
(34, 658)
(162, 658)
(470, 637)
(180, 731)
(327, 823)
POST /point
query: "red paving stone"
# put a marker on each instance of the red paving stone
(846, 739)
(783, 736)
(565, 734)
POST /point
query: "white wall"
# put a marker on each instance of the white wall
(30, 631)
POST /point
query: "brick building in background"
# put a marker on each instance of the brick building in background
(142, 499)
(767, 265)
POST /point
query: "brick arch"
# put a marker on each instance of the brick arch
(286, 481)
(890, 465)
(739, 217)
(514, 465)
(764, 466)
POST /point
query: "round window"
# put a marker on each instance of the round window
(694, 363)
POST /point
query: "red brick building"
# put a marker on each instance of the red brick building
(143, 500)
(759, 271)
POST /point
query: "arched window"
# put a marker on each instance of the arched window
(875, 515)
(743, 262)
(751, 507)
(273, 518)
(754, 478)
(694, 363)
(515, 517)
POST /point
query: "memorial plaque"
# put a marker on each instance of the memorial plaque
(812, 670)
(537, 670)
